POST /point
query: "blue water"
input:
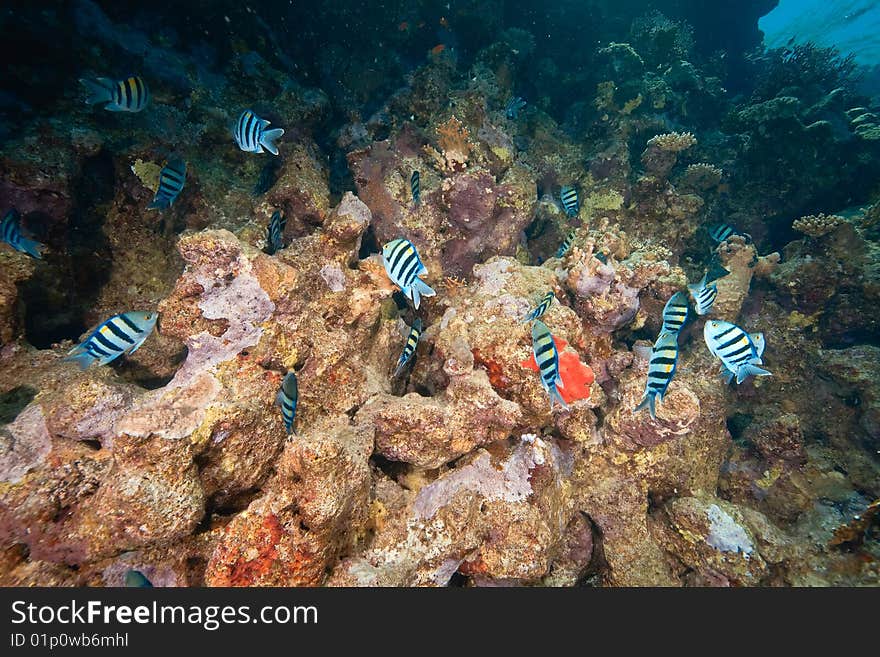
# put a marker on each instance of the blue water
(851, 26)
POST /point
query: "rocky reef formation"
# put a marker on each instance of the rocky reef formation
(175, 461)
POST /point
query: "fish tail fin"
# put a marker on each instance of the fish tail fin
(31, 247)
(400, 365)
(555, 396)
(727, 377)
(749, 369)
(99, 90)
(81, 358)
(424, 289)
(269, 137)
(647, 402)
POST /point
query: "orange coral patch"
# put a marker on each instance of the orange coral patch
(577, 377)
(495, 370)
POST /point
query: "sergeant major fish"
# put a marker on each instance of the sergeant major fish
(566, 245)
(541, 309)
(511, 111)
(10, 232)
(547, 358)
(171, 180)
(414, 185)
(721, 232)
(121, 334)
(759, 343)
(570, 201)
(735, 348)
(661, 369)
(703, 294)
(403, 266)
(128, 95)
(251, 135)
(275, 232)
(675, 313)
(412, 341)
(287, 398)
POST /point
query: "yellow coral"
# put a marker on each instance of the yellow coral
(799, 320)
(674, 142)
(817, 225)
(603, 201)
(147, 173)
(605, 95)
(631, 105)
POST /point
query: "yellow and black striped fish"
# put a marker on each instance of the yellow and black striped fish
(415, 187)
(570, 201)
(740, 353)
(664, 357)
(675, 313)
(412, 341)
(275, 232)
(403, 266)
(128, 95)
(721, 232)
(171, 180)
(547, 358)
(287, 398)
(566, 245)
(10, 232)
(121, 334)
(703, 294)
(542, 307)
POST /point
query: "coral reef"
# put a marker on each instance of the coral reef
(175, 461)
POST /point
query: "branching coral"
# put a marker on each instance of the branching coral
(817, 225)
(701, 176)
(662, 152)
(673, 142)
(454, 146)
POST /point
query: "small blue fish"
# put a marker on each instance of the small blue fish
(721, 232)
(735, 348)
(542, 307)
(661, 369)
(275, 232)
(511, 111)
(121, 334)
(412, 341)
(287, 398)
(10, 232)
(703, 294)
(128, 95)
(570, 200)
(760, 344)
(601, 257)
(675, 313)
(135, 579)
(403, 266)
(171, 180)
(251, 135)
(547, 358)
(566, 245)
(414, 185)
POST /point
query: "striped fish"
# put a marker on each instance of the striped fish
(403, 266)
(721, 232)
(735, 348)
(128, 95)
(136, 579)
(664, 357)
(251, 135)
(171, 180)
(570, 202)
(675, 313)
(566, 245)
(703, 294)
(10, 232)
(412, 341)
(121, 334)
(547, 358)
(514, 105)
(275, 232)
(415, 187)
(760, 344)
(542, 307)
(287, 398)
